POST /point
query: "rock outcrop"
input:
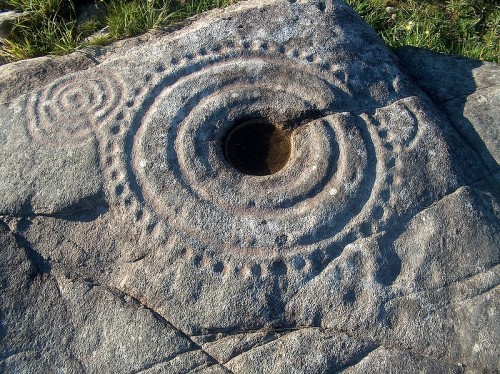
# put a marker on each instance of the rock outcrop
(269, 190)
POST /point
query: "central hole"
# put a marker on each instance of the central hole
(257, 147)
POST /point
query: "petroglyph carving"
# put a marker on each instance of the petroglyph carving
(334, 180)
(67, 111)
(263, 191)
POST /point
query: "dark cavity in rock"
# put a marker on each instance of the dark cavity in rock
(257, 147)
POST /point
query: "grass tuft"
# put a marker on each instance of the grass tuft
(47, 7)
(51, 27)
(40, 37)
(465, 27)
(129, 18)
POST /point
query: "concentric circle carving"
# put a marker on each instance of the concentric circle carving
(67, 111)
(176, 172)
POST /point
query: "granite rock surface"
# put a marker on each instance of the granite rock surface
(132, 241)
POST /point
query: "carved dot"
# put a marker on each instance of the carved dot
(365, 230)
(218, 267)
(349, 297)
(340, 75)
(256, 270)
(115, 130)
(278, 268)
(385, 195)
(378, 212)
(299, 263)
(150, 228)
(197, 260)
(119, 189)
(317, 258)
(138, 215)
(257, 147)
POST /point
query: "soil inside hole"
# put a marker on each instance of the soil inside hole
(257, 147)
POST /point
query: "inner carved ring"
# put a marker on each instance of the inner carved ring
(257, 147)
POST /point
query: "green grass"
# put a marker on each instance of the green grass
(465, 27)
(127, 18)
(51, 27)
(48, 7)
(53, 37)
(47, 28)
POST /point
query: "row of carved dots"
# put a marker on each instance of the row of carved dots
(299, 265)
(114, 161)
(263, 47)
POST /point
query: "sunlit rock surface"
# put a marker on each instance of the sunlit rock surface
(146, 226)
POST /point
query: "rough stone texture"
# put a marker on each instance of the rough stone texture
(25, 76)
(129, 243)
(468, 91)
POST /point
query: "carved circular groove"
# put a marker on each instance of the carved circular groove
(257, 147)
(240, 151)
(67, 111)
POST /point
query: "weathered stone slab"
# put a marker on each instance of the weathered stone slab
(262, 191)
(468, 91)
(40, 177)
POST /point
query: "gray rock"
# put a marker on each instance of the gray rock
(45, 179)
(264, 190)
(26, 76)
(7, 18)
(385, 360)
(467, 90)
